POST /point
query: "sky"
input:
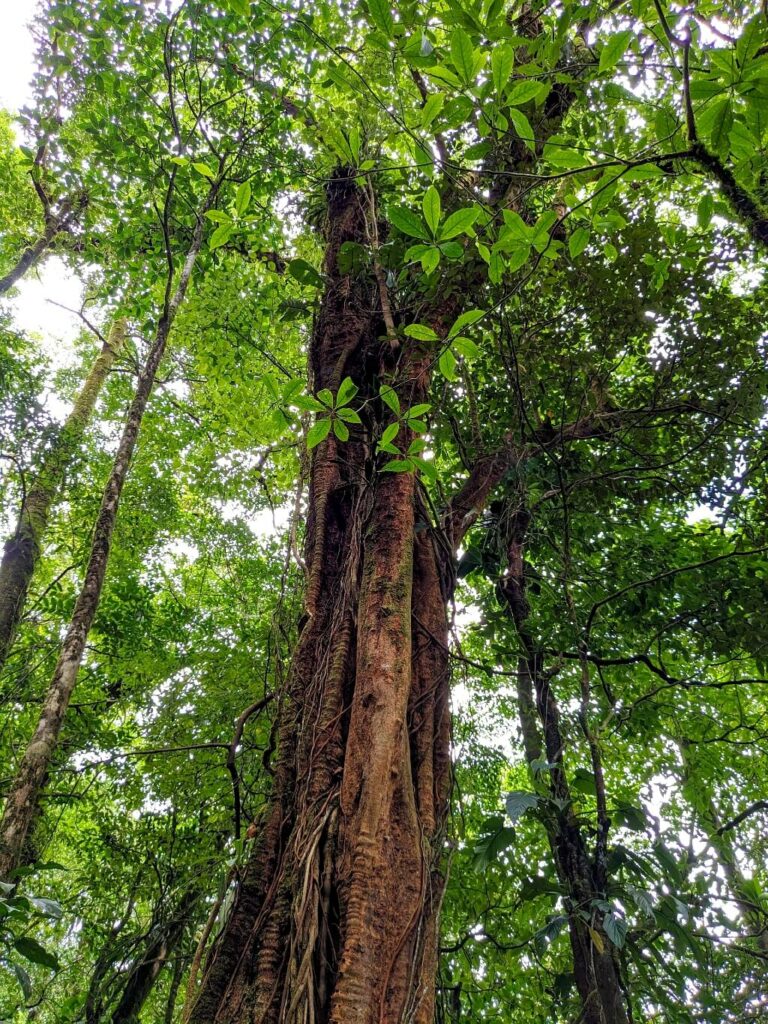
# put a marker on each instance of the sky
(33, 312)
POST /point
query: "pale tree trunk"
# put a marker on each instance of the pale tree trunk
(22, 550)
(24, 793)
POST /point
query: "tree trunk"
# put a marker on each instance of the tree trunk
(752, 908)
(145, 972)
(595, 959)
(22, 550)
(335, 919)
(24, 792)
(55, 224)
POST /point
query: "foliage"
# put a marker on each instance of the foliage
(588, 184)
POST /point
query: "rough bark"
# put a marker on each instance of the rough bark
(335, 920)
(335, 916)
(22, 550)
(595, 963)
(24, 792)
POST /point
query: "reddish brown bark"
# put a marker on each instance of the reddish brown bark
(335, 917)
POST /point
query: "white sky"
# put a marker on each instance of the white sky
(33, 313)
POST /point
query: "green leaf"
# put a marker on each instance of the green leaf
(318, 432)
(408, 222)
(49, 908)
(427, 467)
(348, 415)
(390, 433)
(447, 364)
(23, 979)
(716, 122)
(502, 62)
(471, 316)
(243, 198)
(326, 397)
(459, 223)
(205, 170)
(524, 92)
(390, 397)
(560, 153)
(518, 258)
(307, 403)
(305, 273)
(220, 236)
(451, 250)
(432, 108)
(242, 7)
(31, 950)
(466, 347)
(614, 50)
(704, 210)
(354, 143)
(397, 466)
(416, 252)
(462, 55)
(522, 127)
(381, 15)
(347, 391)
(340, 429)
(577, 243)
(218, 216)
(430, 259)
(615, 928)
(420, 409)
(518, 802)
(431, 207)
(420, 331)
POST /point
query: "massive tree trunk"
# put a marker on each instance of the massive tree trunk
(336, 916)
(581, 873)
(22, 550)
(24, 793)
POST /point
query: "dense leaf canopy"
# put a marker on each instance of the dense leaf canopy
(566, 215)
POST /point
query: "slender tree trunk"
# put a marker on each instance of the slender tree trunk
(336, 915)
(55, 224)
(24, 793)
(595, 959)
(145, 972)
(22, 550)
(751, 908)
